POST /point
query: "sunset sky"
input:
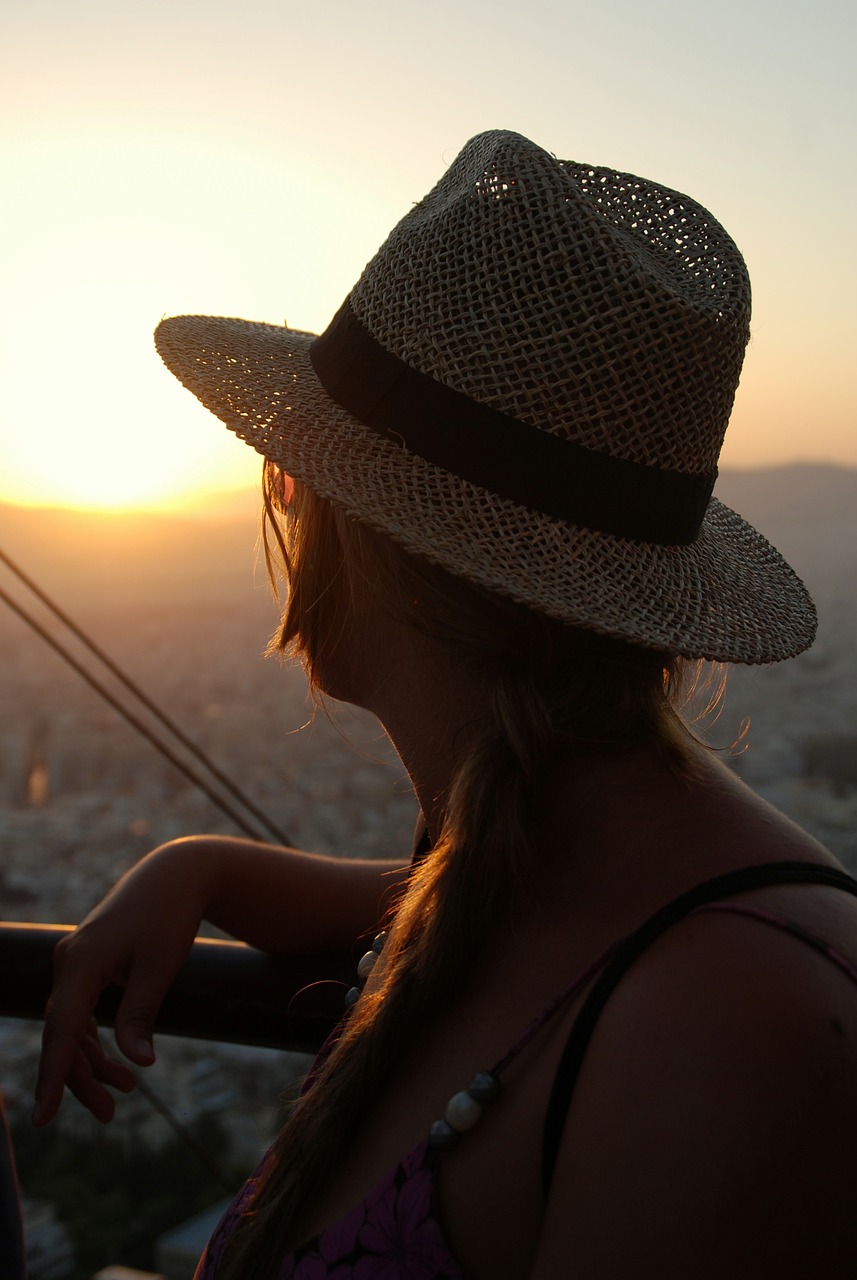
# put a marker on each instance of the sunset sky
(248, 158)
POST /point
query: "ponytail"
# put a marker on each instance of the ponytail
(546, 687)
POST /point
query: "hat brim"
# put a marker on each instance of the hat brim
(728, 596)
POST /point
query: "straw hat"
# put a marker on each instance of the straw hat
(529, 385)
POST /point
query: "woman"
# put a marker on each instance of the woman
(494, 473)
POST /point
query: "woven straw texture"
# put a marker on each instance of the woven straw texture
(590, 304)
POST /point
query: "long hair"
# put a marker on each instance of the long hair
(547, 687)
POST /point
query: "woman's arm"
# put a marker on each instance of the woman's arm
(279, 900)
(282, 900)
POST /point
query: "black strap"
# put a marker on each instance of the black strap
(720, 887)
(514, 459)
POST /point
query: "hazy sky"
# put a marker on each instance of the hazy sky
(248, 158)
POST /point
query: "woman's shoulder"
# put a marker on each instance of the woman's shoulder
(716, 1103)
(766, 955)
(760, 973)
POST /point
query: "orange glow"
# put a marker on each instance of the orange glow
(89, 417)
(250, 165)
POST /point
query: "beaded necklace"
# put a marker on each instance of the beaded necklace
(466, 1107)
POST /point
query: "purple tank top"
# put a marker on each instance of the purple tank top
(394, 1233)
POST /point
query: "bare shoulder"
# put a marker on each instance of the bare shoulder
(713, 1130)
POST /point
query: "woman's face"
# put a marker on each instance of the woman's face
(333, 614)
(361, 646)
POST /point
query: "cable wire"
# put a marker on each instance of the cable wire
(143, 698)
(133, 720)
(184, 1134)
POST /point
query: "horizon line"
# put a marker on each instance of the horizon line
(195, 506)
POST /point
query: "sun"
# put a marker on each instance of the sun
(91, 418)
(101, 237)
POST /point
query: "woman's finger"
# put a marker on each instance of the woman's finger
(138, 1010)
(89, 1072)
(104, 1067)
(89, 1090)
(61, 1041)
(68, 1018)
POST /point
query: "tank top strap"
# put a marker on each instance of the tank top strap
(632, 947)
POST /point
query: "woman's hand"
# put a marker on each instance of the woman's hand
(278, 900)
(137, 938)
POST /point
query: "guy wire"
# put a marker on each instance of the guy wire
(181, 1130)
(133, 720)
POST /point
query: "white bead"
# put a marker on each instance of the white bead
(367, 964)
(462, 1112)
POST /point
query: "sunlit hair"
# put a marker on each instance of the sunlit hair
(548, 689)
(333, 565)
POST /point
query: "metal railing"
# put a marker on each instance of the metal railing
(224, 991)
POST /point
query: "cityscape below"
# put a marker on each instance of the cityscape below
(179, 605)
